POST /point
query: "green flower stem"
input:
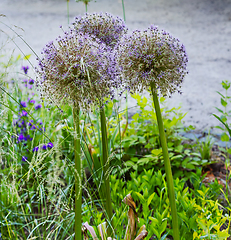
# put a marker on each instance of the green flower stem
(123, 10)
(68, 11)
(78, 175)
(167, 164)
(105, 164)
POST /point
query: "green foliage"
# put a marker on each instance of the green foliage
(225, 113)
(37, 196)
(199, 212)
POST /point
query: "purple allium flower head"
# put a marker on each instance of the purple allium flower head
(38, 106)
(78, 69)
(23, 104)
(35, 149)
(107, 28)
(24, 158)
(31, 81)
(152, 56)
(25, 69)
(44, 147)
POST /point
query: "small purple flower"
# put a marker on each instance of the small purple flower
(24, 158)
(20, 137)
(23, 104)
(31, 81)
(38, 106)
(24, 113)
(25, 69)
(32, 101)
(44, 147)
(50, 145)
(35, 149)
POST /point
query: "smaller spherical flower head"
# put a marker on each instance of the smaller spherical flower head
(78, 70)
(152, 56)
(104, 26)
(50, 145)
(24, 158)
(25, 69)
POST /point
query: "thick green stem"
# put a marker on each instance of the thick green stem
(86, 6)
(105, 163)
(167, 164)
(68, 11)
(78, 176)
(123, 10)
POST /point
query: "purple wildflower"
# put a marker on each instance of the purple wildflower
(50, 145)
(23, 104)
(25, 69)
(35, 149)
(32, 101)
(20, 137)
(31, 81)
(44, 147)
(38, 106)
(24, 158)
(24, 113)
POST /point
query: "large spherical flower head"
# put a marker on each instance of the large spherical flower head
(107, 28)
(77, 69)
(152, 56)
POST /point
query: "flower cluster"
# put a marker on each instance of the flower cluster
(78, 69)
(103, 26)
(152, 56)
(27, 129)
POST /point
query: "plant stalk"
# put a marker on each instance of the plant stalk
(78, 175)
(68, 11)
(105, 165)
(167, 164)
(123, 10)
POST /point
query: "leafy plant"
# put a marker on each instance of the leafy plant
(225, 113)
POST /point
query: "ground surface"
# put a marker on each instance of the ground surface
(204, 26)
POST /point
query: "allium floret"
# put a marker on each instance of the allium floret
(152, 56)
(77, 69)
(104, 26)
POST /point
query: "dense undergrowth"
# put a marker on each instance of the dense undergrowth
(37, 180)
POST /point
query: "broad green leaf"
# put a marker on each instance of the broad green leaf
(156, 152)
(223, 102)
(163, 227)
(140, 196)
(224, 137)
(225, 84)
(150, 198)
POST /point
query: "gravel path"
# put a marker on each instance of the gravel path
(204, 26)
